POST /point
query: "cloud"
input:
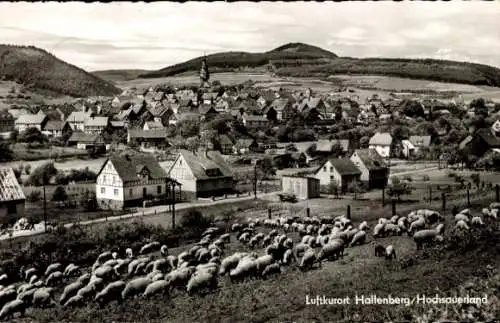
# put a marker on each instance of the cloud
(154, 35)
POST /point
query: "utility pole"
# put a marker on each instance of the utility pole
(173, 206)
(44, 203)
(255, 180)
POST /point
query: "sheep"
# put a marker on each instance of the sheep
(466, 212)
(134, 263)
(129, 253)
(393, 229)
(135, 286)
(105, 272)
(27, 296)
(164, 250)
(114, 255)
(417, 225)
(382, 221)
(51, 268)
(287, 257)
(300, 249)
(461, 225)
(359, 238)
(363, 226)
(230, 262)
(54, 277)
(179, 277)
(236, 227)
(70, 270)
(183, 257)
(12, 307)
(378, 229)
(201, 280)
(403, 223)
(477, 221)
(425, 236)
(42, 297)
(271, 269)
(246, 267)
(105, 256)
(84, 279)
(156, 287)
(390, 252)
(440, 228)
(110, 263)
(150, 247)
(379, 250)
(462, 217)
(334, 249)
(263, 261)
(308, 259)
(225, 237)
(33, 279)
(24, 287)
(172, 261)
(111, 292)
(77, 300)
(69, 291)
(30, 272)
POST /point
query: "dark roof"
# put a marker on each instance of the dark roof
(199, 164)
(487, 136)
(344, 166)
(205, 108)
(371, 159)
(127, 166)
(57, 125)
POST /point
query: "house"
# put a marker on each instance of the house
(324, 147)
(26, 121)
(84, 140)
(303, 188)
(374, 171)
(420, 142)
(7, 124)
(479, 142)
(152, 125)
(128, 180)
(209, 97)
(284, 108)
(254, 121)
(202, 174)
(207, 112)
(148, 138)
(226, 145)
(95, 124)
(12, 198)
(77, 119)
(382, 143)
(244, 146)
(341, 171)
(56, 128)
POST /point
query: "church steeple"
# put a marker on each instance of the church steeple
(204, 74)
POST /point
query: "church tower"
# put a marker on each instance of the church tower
(204, 74)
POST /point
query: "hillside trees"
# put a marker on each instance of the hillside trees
(6, 153)
(479, 107)
(31, 135)
(413, 109)
(42, 174)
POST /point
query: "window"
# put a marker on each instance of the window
(130, 192)
(114, 179)
(144, 191)
(324, 168)
(104, 178)
(103, 190)
(331, 169)
(159, 189)
(332, 178)
(115, 192)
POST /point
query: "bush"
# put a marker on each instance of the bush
(34, 196)
(425, 178)
(194, 219)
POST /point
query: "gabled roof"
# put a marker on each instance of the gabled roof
(148, 134)
(78, 116)
(420, 141)
(158, 111)
(31, 118)
(205, 108)
(371, 159)
(379, 138)
(198, 164)
(128, 165)
(344, 166)
(10, 190)
(55, 125)
(97, 122)
(154, 125)
(280, 104)
(244, 143)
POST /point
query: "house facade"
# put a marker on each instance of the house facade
(340, 171)
(374, 171)
(56, 129)
(12, 199)
(202, 174)
(26, 121)
(125, 181)
(86, 141)
(96, 124)
(303, 188)
(77, 119)
(382, 143)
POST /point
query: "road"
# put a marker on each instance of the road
(154, 210)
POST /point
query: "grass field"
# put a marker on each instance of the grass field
(23, 153)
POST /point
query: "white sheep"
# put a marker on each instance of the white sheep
(378, 229)
(54, 277)
(246, 267)
(150, 247)
(393, 229)
(417, 225)
(69, 291)
(201, 280)
(440, 228)
(164, 250)
(287, 257)
(129, 253)
(135, 287)
(74, 301)
(70, 270)
(179, 277)
(425, 236)
(27, 296)
(390, 252)
(477, 221)
(271, 269)
(333, 250)
(33, 279)
(42, 297)
(114, 255)
(230, 262)
(12, 307)
(383, 221)
(359, 238)
(30, 272)
(156, 287)
(111, 292)
(53, 267)
(462, 217)
(364, 226)
(394, 219)
(461, 225)
(105, 272)
(299, 249)
(105, 256)
(308, 259)
(263, 261)
(134, 263)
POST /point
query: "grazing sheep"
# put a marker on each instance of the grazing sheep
(246, 267)
(164, 250)
(86, 291)
(202, 280)
(135, 287)
(33, 279)
(425, 236)
(477, 221)
(393, 229)
(30, 272)
(390, 252)
(364, 226)
(111, 292)
(462, 217)
(69, 291)
(134, 263)
(417, 225)
(378, 229)
(179, 277)
(333, 250)
(12, 307)
(24, 287)
(156, 287)
(461, 225)
(264, 261)
(129, 253)
(105, 256)
(230, 263)
(172, 261)
(359, 238)
(403, 223)
(308, 259)
(84, 279)
(104, 272)
(150, 247)
(110, 263)
(77, 300)
(271, 269)
(53, 278)
(53, 267)
(379, 251)
(382, 221)
(70, 270)
(42, 297)
(114, 255)
(300, 249)
(440, 228)
(27, 296)
(287, 257)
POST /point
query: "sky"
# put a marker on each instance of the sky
(101, 36)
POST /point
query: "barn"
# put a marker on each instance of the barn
(302, 187)
(11, 194)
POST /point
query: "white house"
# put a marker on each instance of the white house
(77, 119)
(26, 121)
(382, 143)
(95, 124)
(128, 180)
(341, 171)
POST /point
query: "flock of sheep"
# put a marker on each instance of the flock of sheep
(115, 277)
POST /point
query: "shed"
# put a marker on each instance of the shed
(302, 187)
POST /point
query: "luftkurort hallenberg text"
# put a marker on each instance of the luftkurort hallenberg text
(393, 300)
